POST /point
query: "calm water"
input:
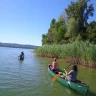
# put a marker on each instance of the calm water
(30, 77)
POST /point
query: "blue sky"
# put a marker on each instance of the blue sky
(24, 21)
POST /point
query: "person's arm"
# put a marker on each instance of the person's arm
(52, 65)
(70, 72)
(65, 72)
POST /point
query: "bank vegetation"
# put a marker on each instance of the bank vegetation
(78, 52)
(71, 37)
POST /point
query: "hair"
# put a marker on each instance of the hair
(54, 59)
(74, 68)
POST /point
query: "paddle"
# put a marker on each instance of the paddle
(55, 77)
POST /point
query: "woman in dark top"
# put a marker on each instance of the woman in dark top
(72, 75)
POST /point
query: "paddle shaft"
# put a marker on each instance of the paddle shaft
(67, 66)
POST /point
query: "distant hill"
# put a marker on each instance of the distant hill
(14, 45)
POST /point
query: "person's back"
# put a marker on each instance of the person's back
(22, 54)
(54, 65)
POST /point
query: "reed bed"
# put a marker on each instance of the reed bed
(79, 52)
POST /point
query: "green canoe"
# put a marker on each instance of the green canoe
(78, 86)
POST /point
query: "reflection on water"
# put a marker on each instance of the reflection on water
(51, 84)
(20, 61)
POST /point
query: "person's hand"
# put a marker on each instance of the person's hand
(65, 72)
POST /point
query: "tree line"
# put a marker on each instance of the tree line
(72, 25)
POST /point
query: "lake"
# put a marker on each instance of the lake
(31, 78)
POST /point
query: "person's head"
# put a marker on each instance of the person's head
(74, 67)
(22, 52)
(55, 59)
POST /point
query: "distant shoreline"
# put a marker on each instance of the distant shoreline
(13, 45)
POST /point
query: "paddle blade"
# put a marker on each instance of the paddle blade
(55, 77)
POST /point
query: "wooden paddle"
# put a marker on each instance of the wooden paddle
(55, 77)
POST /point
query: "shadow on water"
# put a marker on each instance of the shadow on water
(90, 93)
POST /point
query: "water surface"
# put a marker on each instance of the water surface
(31, 78)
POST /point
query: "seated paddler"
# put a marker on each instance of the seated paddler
(54, 65)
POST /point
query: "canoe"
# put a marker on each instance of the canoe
(79, 86)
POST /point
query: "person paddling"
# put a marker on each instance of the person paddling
(54, 66)
(72, 75)
(21, 56)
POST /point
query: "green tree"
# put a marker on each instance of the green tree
(78, 14)
(60, 33)
(56, 31)
(91, 32)
(52, 22)
(73, 25)
(44, 39)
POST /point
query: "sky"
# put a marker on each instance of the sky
(24, 21)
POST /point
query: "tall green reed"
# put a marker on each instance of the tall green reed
(84, 51)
